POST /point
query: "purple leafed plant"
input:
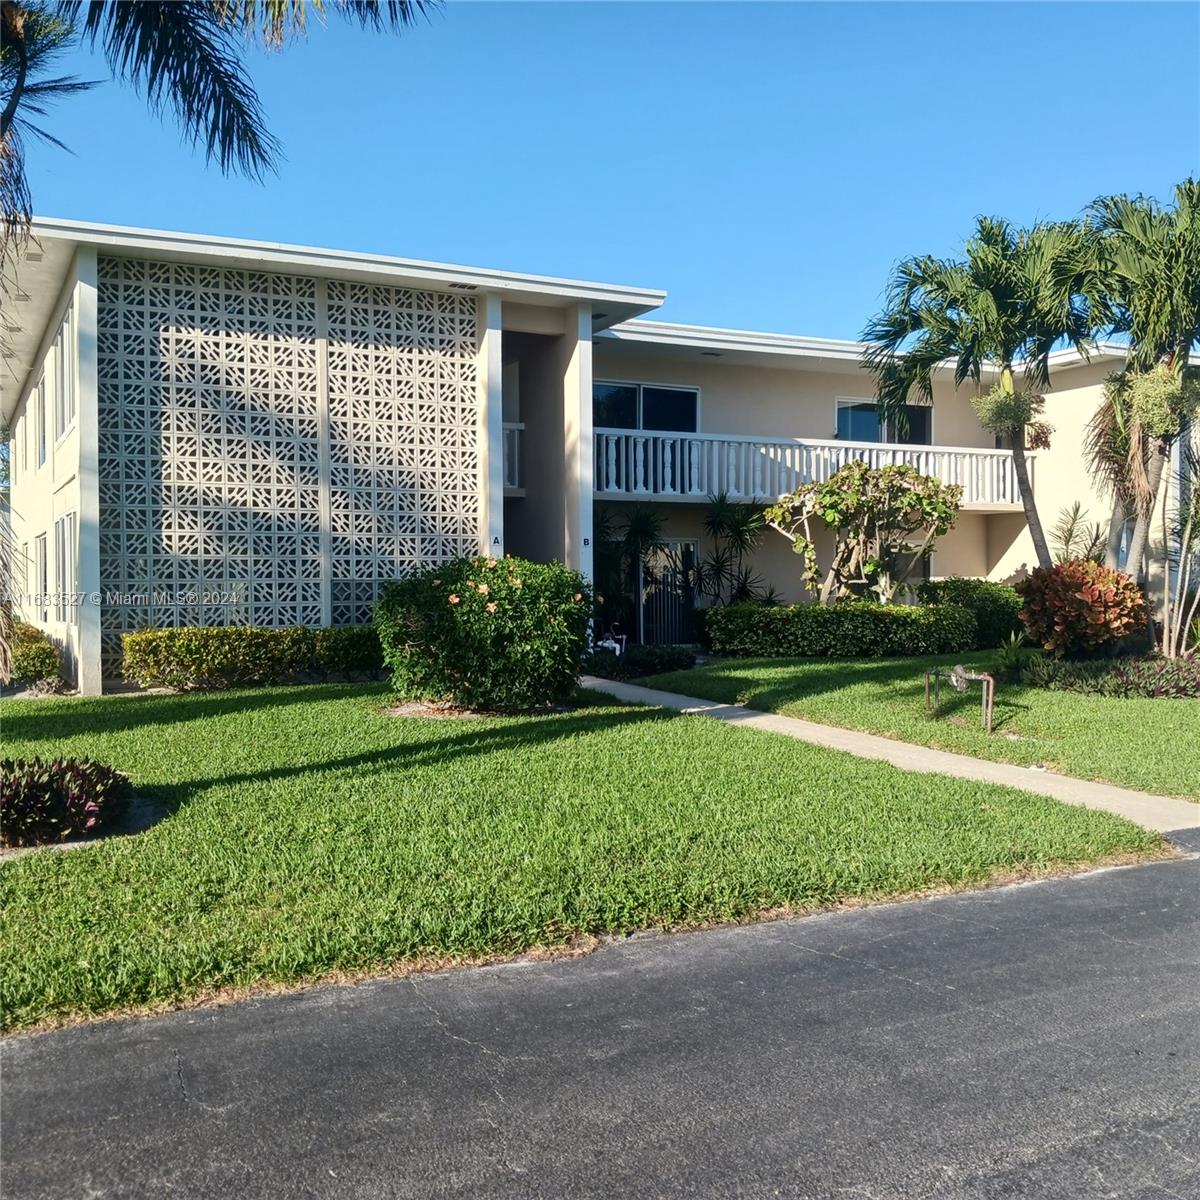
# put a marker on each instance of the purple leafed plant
(51, 801)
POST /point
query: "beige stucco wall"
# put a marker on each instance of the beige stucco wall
(963, 551)
(41, 494)
(750, 401)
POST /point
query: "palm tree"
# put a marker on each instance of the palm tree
(31, 39)
(1015, 296)
(185, 57)
(1150, 280)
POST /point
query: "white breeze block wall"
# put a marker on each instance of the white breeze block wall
(274, 448)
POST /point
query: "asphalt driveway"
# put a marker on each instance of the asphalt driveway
(1034, 1041)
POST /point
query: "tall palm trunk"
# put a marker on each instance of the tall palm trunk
(1116, 528)
(1160, 450)
(1036, 534)
(1021, 469)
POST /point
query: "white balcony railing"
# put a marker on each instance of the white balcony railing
(512, 456)
(691, 466)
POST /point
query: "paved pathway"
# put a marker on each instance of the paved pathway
(1033, 1041)
(1161, 813)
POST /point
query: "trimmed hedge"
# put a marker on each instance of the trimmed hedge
(639, 661)
(485, 633)
(996, 606)
(208, 658)
(44, 802)
(34, 656)
(851, 629)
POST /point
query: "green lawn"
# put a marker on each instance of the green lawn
(308, 832)
(1152, 745)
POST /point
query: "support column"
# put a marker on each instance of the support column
(491, 426)
(324, 435)
(88, 416)
(577, 430)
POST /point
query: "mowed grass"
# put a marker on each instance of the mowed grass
(1151, 745)
(310, 833)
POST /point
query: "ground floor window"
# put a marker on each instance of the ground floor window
(42, 578)
(65, 552)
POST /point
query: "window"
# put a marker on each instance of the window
(65, 545)
(42, 579)
(64, 378)
(645, 406)
(40, 415)
(858, 421)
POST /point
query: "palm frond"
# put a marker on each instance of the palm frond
(184, 58)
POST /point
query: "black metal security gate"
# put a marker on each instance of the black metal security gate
(667, 586)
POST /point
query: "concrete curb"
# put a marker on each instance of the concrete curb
(1160, 813)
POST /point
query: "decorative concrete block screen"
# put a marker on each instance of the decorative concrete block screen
(404, 436)
(273, 448)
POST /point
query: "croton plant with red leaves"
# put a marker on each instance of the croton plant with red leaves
(1080, 609)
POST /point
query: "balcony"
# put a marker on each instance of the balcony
(691, 466)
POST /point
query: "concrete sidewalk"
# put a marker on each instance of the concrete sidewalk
(1160, 813)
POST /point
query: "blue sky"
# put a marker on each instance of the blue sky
(766, 164)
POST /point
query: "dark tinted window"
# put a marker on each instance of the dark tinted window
(669, 408)
(858, 422)
(920, 426)
(614, 405)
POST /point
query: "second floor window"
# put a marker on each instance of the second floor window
(858, 421)
(648, 406)
(64, 378)
(40, 416)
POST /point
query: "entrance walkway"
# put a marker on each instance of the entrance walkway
(1160, 813)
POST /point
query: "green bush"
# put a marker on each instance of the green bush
(34, 656)
(486, 633)
(207, 658)
(996, 606)
(850, 629)
(216, 656)
(347, 650)
(50, 801)
(1081, 609)
(639, 661)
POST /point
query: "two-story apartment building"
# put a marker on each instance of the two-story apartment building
(210, 431)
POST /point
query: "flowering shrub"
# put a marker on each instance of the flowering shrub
(51, 801)
(1080, 609)
(34, 657)
(850, 629)
(486, 633)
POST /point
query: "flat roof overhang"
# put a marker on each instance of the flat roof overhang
(45, 265)
(741, 347)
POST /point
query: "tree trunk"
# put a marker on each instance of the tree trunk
(1160, 449)
(1116, 527)
(12, 22)
(1036, 533)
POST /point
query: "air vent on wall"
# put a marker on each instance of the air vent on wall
(463, 287)
(34, 256)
